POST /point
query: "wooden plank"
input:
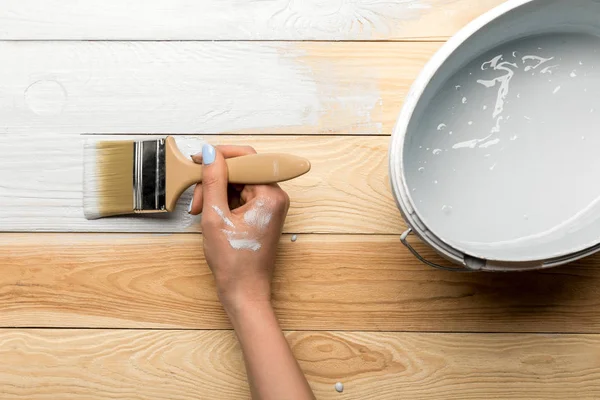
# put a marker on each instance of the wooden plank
(92, 364)
(206, 87)
(322, 282)
(237, 20)
(347, 190)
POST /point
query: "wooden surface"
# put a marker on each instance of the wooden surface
(200, 87)
(125, 308)
(192, 365)
(347, 190)
(322, 282)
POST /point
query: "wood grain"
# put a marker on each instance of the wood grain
(347, 190)
(322, 282)
(205, 87)
(75, 364)
(237, 20)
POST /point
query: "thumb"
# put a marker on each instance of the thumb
(214, 180)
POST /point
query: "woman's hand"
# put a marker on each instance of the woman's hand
(241, 227)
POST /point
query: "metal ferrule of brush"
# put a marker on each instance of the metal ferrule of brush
(149, 176)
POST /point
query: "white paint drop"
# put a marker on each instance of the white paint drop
(489, 143)
(464, 100)
(556, 90)
(447, 210)
(339, 387)
(437, 152)
(548, 69)
(441, 127)
(469, 144)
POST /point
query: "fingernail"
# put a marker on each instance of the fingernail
(190, 206)
(208, 154)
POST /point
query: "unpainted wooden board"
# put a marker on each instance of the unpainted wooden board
(347, 190)
(322, 282)
(237, 20)
(206, 87)
(186, 365)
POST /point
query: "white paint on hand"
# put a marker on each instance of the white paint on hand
(226, 220)
(241, 241)
(339, 387)
(259, 216)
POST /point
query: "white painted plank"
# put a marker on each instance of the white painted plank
(236, 19)
(41, 183)
(205, 87)
(347, 190)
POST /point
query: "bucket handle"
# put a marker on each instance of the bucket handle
(404, 240)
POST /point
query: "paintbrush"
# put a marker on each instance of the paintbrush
(149, 176)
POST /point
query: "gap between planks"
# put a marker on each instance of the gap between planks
(321, 282)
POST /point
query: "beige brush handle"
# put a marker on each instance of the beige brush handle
(254, 169)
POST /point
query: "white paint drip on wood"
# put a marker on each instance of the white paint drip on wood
(211, 20)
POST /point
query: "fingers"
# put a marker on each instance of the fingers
(228, 151)
(196, 204)
(214, 184)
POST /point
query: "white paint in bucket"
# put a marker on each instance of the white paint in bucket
(528, 175)
(519, 180)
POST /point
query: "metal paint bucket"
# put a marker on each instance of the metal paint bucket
(495, 158)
